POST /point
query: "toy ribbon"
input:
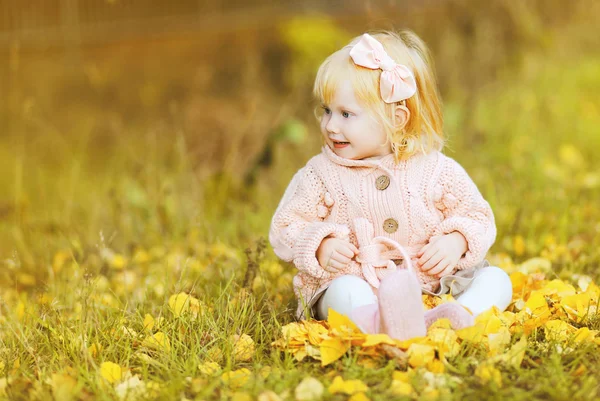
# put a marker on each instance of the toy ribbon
(397, 82)
(376, 254)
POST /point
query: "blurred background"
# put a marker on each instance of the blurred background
(130, 125)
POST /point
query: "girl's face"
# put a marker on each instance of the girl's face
(350, 130)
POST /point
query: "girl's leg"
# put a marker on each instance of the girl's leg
(490, 287)
(458, 316)
(353, 297)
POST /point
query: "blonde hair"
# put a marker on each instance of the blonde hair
(424, 130)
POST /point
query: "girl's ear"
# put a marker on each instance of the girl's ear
(402, 116)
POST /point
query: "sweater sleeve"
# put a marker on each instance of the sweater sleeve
(298, 226)
(465, 211)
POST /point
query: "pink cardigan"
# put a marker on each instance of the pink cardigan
(383, 207)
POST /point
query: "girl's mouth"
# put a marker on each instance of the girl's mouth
(340, 145)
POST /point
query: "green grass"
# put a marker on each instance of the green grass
(94, 237)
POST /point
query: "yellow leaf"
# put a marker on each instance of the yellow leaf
(349, 387)
(294, 332)
(4, 382)
(131, 389)
(441, 324)
(571, 156)
(430, 394)
(268, 396)
(474, 334)
(487, 373)
(359, 397)
(148, 359)
(20, 311)
(580, 371)
(26, 280)
(519, 282)
(64, 387)
(593, 291)
(309, 389)
(519, 245)
(536, 303)
(535, 265)
(584, 334)
(497, 342)
(238, 396)
(111, 372)
(577, 306)
(236, 378)
(209, 368)
(542, 316)
(315, 332)
(490, 321)
(148, 322)
(158, 341)
(402, 376)
(215, 354)
(376, 339)
(401, 388)
(265, 371)
(558, 330)
(445, 340)
(182, 304)
(95, 349)
(420, 354)
(118, 262)
(60, 258)
(514, 356)
(436, 366)
(559, 288)
(340, 322)
(332, 349)
(243, 347)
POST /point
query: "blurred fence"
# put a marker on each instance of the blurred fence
(74, 22)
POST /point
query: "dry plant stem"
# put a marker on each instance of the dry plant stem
(395, 354)
(253, 263)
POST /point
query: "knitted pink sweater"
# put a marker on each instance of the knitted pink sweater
(381, 206)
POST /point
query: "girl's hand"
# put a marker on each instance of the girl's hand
(440, 256)
(335, 254)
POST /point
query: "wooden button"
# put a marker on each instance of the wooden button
(390, 226)
(382, 182)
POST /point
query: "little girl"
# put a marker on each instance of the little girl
(380, 214)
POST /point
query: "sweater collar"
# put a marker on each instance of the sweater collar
(385, 162)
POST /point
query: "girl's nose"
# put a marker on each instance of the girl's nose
(332, 126)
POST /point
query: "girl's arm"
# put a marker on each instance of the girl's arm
(465, 211)
(297, 228)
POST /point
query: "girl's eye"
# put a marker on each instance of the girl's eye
(326, 110)
(345, 114)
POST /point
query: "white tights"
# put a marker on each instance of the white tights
(491, 286)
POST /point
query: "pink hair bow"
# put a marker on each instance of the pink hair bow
(397, 82)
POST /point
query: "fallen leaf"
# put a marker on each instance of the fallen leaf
(209, 368)
(332, 350)
(309, 389)
(158, 341)
(340, 322)
(359, 397)
(268, 396)
(243, 347)
(349, 387)
(420, 354)
(236, 378)
(489, 374)
(111, 372)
